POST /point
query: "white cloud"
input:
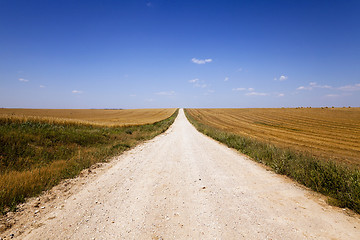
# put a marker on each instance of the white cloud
(243, 89)
(132, 95)
(149, 100)
(42, 86)
(251, 92)
(313, 85)
(303, 88)
(198, 83)
(256, 94)
(201, 61)
(239, 89)
(226, 79)
(283, 78)
(355, 87)
(332, 95)
(168, 93)
(23, 80)
(76, 92)
(239, 70)
(194, 80)
(149, 4)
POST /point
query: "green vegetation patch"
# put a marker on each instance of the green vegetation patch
(36, 155)
(339, 182)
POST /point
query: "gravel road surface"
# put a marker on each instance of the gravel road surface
(184, 185)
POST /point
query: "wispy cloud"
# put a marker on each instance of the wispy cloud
(166, 93)
(149, 4)
(239, 89)
(42, 86)
(239, 70)
(332, 95)
(132, 95)
(198, 83)
(251, 92)
(243, 89)
(77, 91)
(194, 80)
(23, 80)
(303, 88)
(355, 87)
(201, 61)
(345, 88)
(208, 92)
(281, 95)
(313, 85)
(226, 79)
(256, 94)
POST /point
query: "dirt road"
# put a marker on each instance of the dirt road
(184, 185)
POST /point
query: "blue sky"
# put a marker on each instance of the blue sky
(157, 53)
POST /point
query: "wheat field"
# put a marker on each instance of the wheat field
(328, 133)
(101, 117)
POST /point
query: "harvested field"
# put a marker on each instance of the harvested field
(328, 133)
(91, 116)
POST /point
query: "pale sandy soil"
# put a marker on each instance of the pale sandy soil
(181, 185)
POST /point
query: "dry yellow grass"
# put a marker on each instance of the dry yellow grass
(91, 116)
(330, 133)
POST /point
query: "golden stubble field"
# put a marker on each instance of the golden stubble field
(91, 116)
(329, 133)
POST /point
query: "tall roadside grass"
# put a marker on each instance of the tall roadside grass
(339, 182)
(36, 155)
